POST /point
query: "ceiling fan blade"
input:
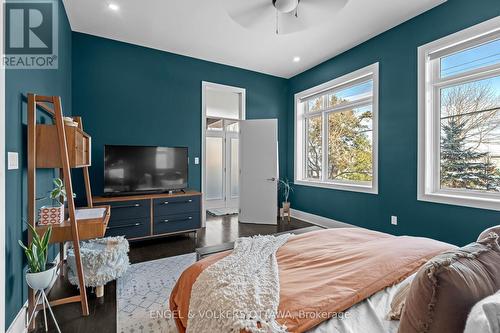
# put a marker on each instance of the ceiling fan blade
(260, 15)
(250, 14)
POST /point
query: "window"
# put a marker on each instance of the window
(459, 118)
(336, 133)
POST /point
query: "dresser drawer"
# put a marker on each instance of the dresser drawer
(130, 228)
(176, 205)
(129, 209)
(177, 222)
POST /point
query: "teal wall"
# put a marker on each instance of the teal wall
(129, 94)
(18, 82)
(396, 51)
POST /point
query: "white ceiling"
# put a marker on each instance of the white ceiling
(203, 29)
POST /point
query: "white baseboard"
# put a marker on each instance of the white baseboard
(318, 220)
(18, 325)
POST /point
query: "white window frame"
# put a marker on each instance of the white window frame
(429, 84)
(358, 76)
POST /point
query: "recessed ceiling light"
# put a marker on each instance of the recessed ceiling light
(113, 6)
(296, 59)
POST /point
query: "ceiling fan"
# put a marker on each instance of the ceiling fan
(282, 16)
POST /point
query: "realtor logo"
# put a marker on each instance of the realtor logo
(30, 35)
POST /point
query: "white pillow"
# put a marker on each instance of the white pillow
(399, 299)
(485, 316)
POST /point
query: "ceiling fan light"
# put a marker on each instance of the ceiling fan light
(285, 6)
(113, 6)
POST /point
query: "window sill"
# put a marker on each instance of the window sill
(338, 186)
(461, 199)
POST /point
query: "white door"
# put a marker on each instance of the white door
(215, 170)
(258, 171)
(222, 170)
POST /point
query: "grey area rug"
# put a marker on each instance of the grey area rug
(143, 292)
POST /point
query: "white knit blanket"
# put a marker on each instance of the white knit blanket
(240, 291)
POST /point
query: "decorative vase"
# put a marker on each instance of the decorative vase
(41, 280)
(52, 214)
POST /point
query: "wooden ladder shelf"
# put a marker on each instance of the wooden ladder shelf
(62, 147)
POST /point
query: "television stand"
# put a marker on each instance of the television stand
(144, 216)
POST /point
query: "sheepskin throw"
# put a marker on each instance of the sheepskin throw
(103, 260)
(241, 291)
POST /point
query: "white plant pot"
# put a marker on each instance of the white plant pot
(51, 214)
(41, 280)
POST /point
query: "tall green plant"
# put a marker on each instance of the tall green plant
(37, 252)
(286, 188)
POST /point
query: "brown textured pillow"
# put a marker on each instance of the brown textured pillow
(446, 288)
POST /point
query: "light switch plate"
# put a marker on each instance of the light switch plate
(12, 161)
(196, 160)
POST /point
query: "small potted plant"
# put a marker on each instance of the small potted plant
(286, 188)
(54, 213)
(39, 273)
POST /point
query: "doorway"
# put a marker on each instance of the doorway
(223, 107)
(222, 170)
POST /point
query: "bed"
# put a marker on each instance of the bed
(374, 312)
(328, 272)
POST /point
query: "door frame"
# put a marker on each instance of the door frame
(205, 85)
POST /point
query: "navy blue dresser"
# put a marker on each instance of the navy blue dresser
(152, 215)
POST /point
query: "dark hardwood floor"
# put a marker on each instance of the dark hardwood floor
(102, 316)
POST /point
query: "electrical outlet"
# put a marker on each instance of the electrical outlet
(394, 220)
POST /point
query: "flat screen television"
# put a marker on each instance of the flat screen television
(143, 169)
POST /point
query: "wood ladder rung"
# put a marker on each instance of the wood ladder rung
(46, 108)
(41, 98)
(66, 300)
(61, 301)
